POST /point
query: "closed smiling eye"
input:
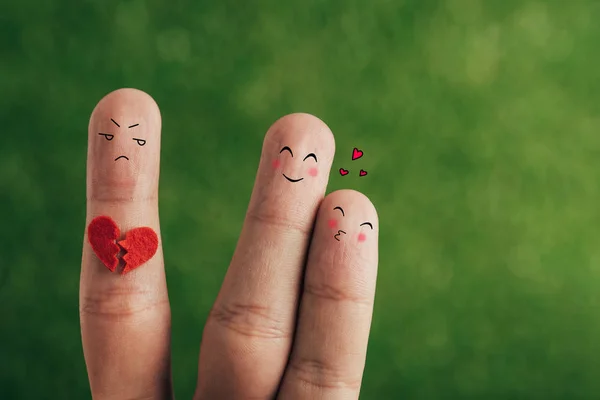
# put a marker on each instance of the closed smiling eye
(285, 148)
(367, 223)
(107, 136)
(311, 155)
(141, 142)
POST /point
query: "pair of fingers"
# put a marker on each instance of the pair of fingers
(293, 315)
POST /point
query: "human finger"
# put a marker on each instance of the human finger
(330, 345)
(248, 335)
(124, 306)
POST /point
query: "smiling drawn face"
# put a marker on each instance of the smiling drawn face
(334, 224)
(312, 170)
(124, 143)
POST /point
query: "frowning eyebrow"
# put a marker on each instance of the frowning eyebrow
(288, 149)
(115, 122)
(340, 208)
(367, 223)
(134, 125)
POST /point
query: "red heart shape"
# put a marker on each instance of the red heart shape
(356, 154)
(343, 171)
(141, 245)
(102, 235)
(362, 172)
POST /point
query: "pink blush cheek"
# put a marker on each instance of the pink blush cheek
(362, 237)
(276, 163)
(332, 223)
(313, 172)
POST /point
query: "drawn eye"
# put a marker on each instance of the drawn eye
(285, 148)
(367, 223)
(107, 136)
(141, 142)
(311, 155)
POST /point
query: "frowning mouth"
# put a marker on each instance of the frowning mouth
(125, 157)
(337, 235)
(292, 180)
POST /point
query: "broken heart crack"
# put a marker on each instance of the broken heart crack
(139, 244)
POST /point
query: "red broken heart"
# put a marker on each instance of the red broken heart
(140, 244)
(103, 234)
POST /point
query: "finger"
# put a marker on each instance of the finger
(248, 334)
(330, 346)
(124, 313)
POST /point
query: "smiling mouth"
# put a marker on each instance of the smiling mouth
(125, 157)
(337, 236)
(292, 180)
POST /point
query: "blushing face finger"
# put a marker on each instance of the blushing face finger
(296, 158)
(330, 344)
(248, 335)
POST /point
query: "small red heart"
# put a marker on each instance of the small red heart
(363, 172)
(356, 154)
(141, 245)
(102, 235)
(343, 171)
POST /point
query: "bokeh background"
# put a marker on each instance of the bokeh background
(480, 126)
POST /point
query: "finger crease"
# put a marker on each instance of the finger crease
(118, 303)
(323, 375)
(330, 292)
(119, 200)
(251, 320)
(272, 220)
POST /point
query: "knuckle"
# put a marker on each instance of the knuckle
(322, 374)
(330, 292)
(278, 221)
(252, 320)
(116, 303)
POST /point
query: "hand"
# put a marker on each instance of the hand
(293, 315)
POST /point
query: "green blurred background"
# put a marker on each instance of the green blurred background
(480, 126)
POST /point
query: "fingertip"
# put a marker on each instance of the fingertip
(356, 205)
(129, 94)
(302, 129)
(293, 173)
(117, 101)
(124, 146)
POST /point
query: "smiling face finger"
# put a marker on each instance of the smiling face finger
(124, 147)
(249, 330)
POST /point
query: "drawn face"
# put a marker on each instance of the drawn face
(124, 145)
(310, 158)
(335, 223)
(111, 136)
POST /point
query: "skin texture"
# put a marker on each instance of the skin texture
(293, 315)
